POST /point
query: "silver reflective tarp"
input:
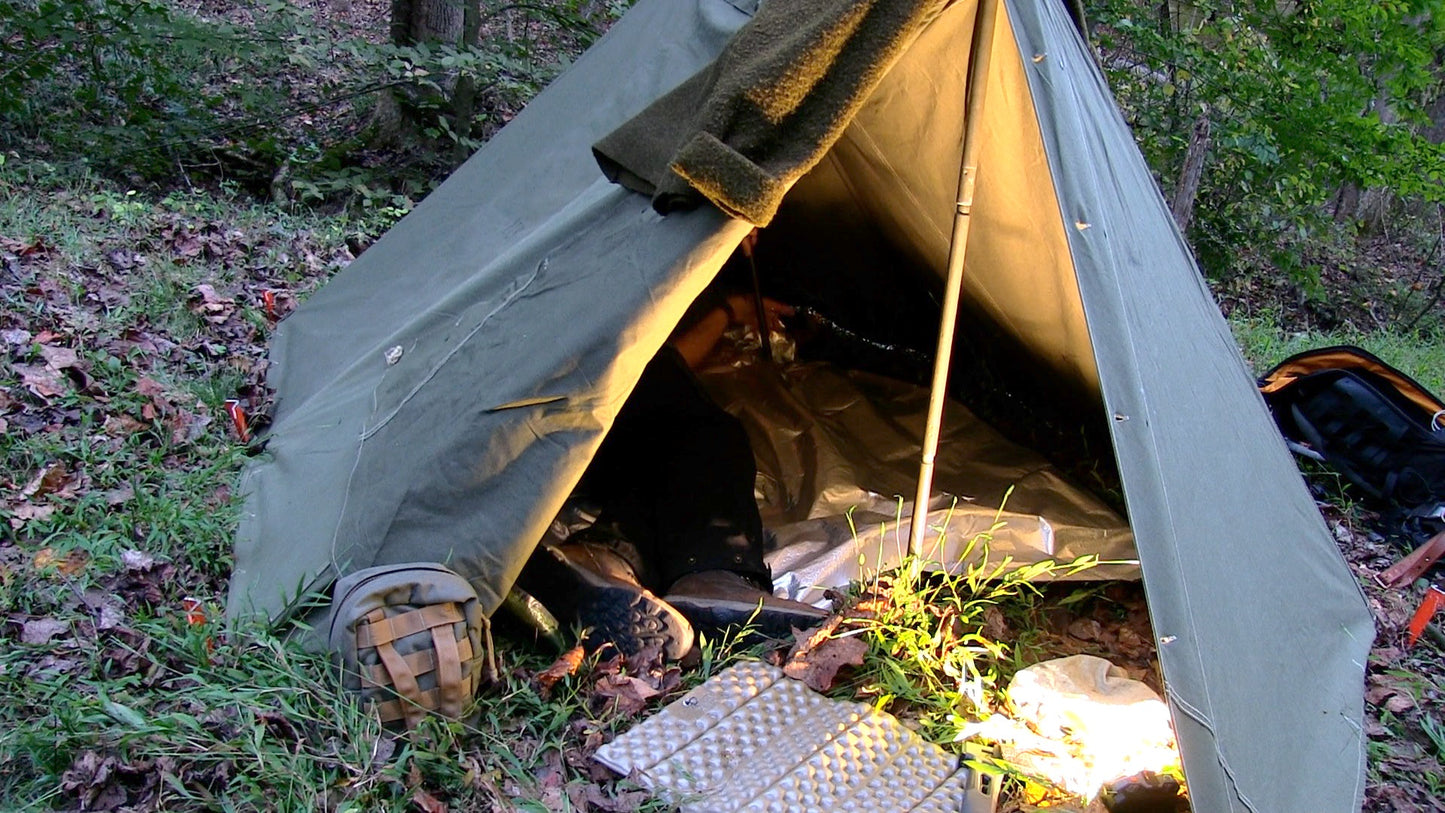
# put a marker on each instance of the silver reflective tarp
(837, 452)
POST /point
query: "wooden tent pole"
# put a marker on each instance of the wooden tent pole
(980, 55)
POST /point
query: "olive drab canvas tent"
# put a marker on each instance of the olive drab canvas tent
(440, 398)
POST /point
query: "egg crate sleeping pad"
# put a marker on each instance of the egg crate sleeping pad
(753, 739)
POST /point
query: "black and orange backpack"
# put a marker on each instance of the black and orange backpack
(1376, 426)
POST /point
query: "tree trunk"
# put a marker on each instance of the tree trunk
(428, 21)
(1436, 111)
(465, 99)
(1181, 205)
(1369, 208)
(400, 113)
(401, 22)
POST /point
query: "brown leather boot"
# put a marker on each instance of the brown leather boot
(596, 587)
(714, 599)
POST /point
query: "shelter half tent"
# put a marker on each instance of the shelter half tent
(439, 400)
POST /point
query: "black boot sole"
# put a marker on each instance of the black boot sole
(768, 621)
(611, 611)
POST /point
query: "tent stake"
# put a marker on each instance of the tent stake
(979, 57)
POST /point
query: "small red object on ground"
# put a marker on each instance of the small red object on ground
(238, 420)
(1434, 602)
(196, 616)
(1412, 567)
(195, 611)
(268, 300)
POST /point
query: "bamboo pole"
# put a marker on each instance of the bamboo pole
(980, 55)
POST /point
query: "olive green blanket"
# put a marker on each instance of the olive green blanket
(742, 130)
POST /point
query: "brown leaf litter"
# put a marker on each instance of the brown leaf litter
(818, 654)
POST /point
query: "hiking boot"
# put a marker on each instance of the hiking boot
(714, 599)
(596, 586)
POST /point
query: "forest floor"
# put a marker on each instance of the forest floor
(129, 321)
(131, 317)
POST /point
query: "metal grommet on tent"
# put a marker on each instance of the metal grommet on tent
(1437, 421)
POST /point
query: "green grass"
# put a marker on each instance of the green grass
(127, 702)
(134, 703)
(1420, 355)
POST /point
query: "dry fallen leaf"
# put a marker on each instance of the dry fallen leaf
(50, 479)
(1385, 655)
(20, 248)
(42, 381)
(119, 495)
(133, 559)
(1086, 629)
(995, 627)
(427, 803)
(41, 630)
(187, 245)
(149, 387)
(212, 307)
(628, 694)
(622, 802)
(26, 512)
(1399, 703)
(68, 565)
(817, 656)
(58, 358)
(122, 425)
(187, 427)
(1132, 645)
(565, 665)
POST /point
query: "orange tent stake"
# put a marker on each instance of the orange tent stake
(1434, 601)
(238, 420)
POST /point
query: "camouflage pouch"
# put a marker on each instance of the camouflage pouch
(411, 638)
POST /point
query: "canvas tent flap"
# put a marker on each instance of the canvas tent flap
(497, 289)
(740, 132)
(1262, 630)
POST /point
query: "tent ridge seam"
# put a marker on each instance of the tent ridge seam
(345, 500)
(1204, 720)
(861, 129)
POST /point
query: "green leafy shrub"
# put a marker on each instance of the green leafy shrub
(1302, 98)
(141, 86)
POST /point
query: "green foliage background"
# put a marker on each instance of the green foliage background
(259, 92)
(1303, 98)
(111, 110)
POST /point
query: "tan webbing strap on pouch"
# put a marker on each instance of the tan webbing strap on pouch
(408, 623)
(490, 661)
(400, 672)
(449, 670)
(412, 639)
(403, 682)
(392, 710)
(419, 663)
